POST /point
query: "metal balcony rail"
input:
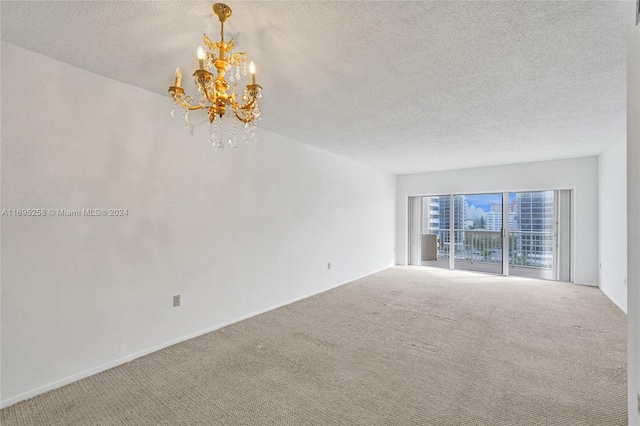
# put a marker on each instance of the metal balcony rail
(478, 246)
(526, 248)
(531, 249)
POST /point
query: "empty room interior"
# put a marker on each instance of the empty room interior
(320, 213)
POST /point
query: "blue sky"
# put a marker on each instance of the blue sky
(484, 201)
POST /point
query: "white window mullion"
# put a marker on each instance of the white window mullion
(505, 233)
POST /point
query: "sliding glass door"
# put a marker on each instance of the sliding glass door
(511, 233)
(478, 232)
(532, 239)
(431, 239)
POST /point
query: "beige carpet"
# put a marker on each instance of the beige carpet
(407, 346)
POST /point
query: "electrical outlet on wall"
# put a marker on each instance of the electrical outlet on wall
(176, 300)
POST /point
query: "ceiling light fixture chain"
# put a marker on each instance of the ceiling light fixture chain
(214, 90)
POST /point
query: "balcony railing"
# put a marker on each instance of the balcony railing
(443, 243)
(526, 249)
(531, 249)
(478, 246)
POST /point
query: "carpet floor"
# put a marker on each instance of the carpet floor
(406, 346)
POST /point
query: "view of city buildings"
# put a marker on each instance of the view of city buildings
(478, 222)
(534, 211)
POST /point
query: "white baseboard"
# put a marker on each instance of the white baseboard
(84, 374)
(587, 284)
(613, 301)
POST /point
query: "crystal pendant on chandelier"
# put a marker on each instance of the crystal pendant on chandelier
(215, 95)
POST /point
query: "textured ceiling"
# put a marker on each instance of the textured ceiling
(404, 86)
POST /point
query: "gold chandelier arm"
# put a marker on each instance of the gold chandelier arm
(182, 100)
(245, 119)
(209, 95)
(232, 97)
(249, 104)
(244, 112)
(238, 58)
(184, 103)
(193, 108)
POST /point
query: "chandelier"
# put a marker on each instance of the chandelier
(213, 93)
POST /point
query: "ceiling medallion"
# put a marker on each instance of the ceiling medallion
(213, 90)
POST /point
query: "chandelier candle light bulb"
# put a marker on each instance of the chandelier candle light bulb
(252, 71)
(178, 77)
(217, 96)
(201, 57)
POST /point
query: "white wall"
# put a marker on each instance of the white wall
(612, 222)
(234, 233)
(633, 213)
(580, 174)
